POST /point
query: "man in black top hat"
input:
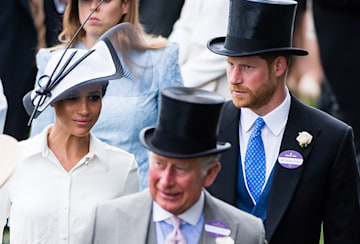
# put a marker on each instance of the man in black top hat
(183, 160)
(290, 164)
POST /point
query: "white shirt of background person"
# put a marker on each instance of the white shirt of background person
(60, 5)
(3, 108)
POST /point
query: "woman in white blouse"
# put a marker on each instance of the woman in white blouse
(65, 171)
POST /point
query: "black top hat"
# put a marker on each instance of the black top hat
(188, 124)
(258, 27)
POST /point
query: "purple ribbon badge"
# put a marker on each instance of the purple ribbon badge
(290, 159)
(217, 228)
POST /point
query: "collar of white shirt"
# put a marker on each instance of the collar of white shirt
(96, 148)
(272, 132)
(191, 216)
(59, 6)
(275, 120)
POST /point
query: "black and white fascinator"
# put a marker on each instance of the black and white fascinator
(71, 68)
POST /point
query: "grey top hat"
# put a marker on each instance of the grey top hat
(188, 124)
(258, 27)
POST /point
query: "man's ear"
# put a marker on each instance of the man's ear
(280, 66)
(211, 174)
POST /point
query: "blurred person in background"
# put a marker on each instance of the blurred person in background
(3, 108)
(199, 21)
(159, 16)
(327, 77)
(54, 11)
(337, 30)
(18, 44)
(25, 26)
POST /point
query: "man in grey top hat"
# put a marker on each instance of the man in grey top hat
(176, 208)
(290, 164)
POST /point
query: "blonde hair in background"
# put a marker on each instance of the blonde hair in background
(38, 14)
(71, 24)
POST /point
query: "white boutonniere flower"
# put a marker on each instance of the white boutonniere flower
(304, 138)
(224, 240)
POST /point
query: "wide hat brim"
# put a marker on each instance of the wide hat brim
(99, 66)
(146, 139)
(9, 157)
(71, 68)
(28, 102)
(217, 45)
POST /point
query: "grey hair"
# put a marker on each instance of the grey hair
(208, 161)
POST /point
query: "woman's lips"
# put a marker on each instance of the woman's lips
(93, 20)
(82, 122)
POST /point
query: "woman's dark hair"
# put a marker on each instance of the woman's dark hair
(103, 88)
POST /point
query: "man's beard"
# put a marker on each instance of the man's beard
(253, 99)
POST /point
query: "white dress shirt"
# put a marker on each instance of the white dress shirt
(271, 133)
(190, 216)
(4, 208)
(60, 6)
(50, 205)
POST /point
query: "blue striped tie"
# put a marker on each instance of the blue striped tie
(255, 167)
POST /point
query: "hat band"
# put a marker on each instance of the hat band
(250, 45)
(182, 145)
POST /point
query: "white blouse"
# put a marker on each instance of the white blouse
(50, 205)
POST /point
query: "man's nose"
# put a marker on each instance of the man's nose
(167, 177)
(234, 76)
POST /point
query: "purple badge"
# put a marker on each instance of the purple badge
(290, 159)
(217, 228)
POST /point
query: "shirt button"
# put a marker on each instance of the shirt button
(64, 238)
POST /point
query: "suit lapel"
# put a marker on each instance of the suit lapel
(229, 132)
(151, 235)
(213, 212)
(208, 215)
(140, 219)
(285, 180)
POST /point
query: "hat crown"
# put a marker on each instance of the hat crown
(258, 26)
(187, 124)
(189, 114)
(270, 21)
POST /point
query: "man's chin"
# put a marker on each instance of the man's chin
(239, 103)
